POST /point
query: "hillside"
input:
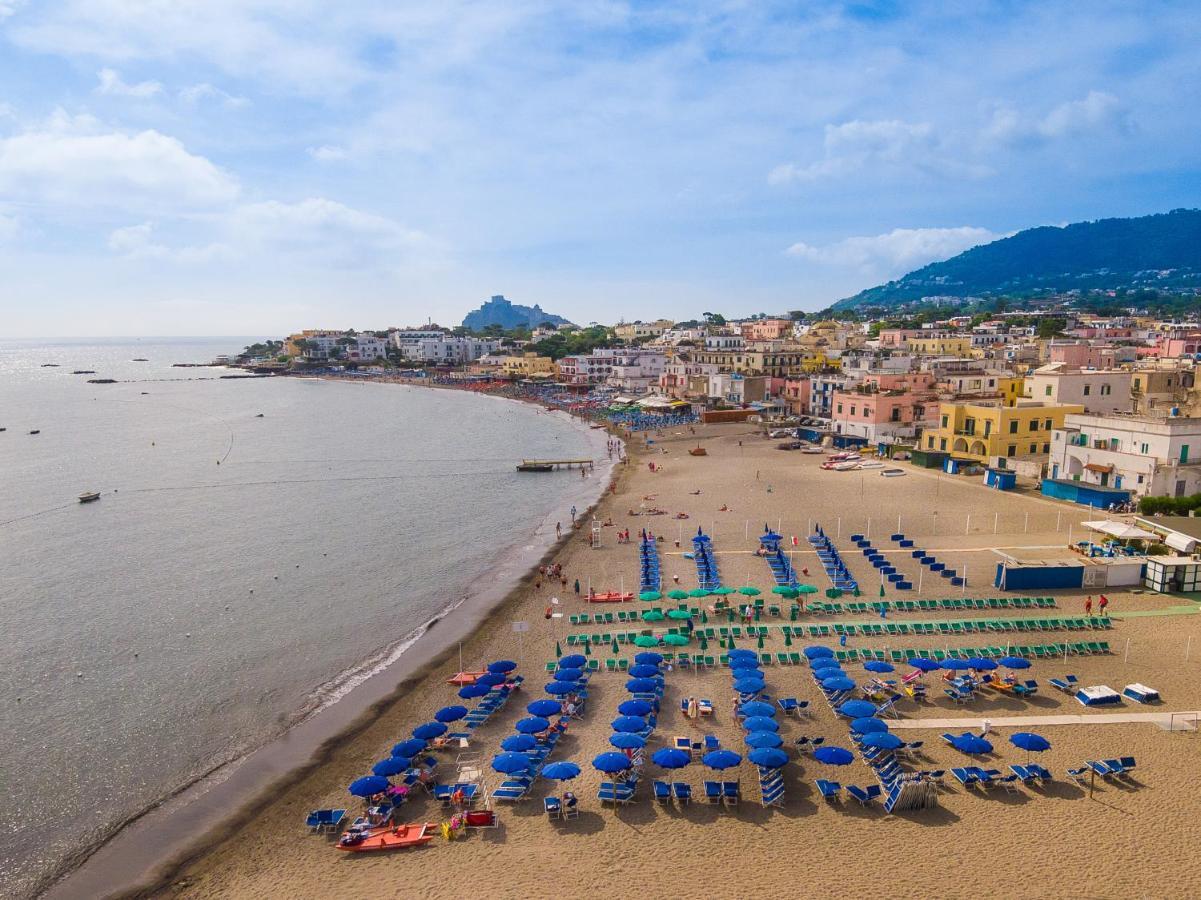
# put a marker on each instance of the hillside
(499, 311)
(1159, 251)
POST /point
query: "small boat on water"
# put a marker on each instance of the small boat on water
(36, 431)
(84, 372)
(89, 496)
(49, 365)
(139, 359)
(388, 837)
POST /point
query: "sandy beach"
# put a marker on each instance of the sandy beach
(1056, 841)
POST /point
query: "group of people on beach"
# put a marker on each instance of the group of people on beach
(1102, 605)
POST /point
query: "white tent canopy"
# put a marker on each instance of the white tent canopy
(1121, 530)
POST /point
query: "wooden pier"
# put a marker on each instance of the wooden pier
(546, 465)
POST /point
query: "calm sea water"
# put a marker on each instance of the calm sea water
(197, 609)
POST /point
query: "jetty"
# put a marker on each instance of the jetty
(546, 465)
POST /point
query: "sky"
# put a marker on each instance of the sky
(175, 167)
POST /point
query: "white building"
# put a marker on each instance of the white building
(1147, 455)
(636, 369)
(821, 392)
(593, 368)
(446, 349)
(732, 342)
(365, 346)
(1097, 390)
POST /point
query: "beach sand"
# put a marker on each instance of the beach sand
(1052, 842)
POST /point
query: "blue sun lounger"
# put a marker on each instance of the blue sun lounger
(712, 792)
(1039, 772)
(615, 792)
(662, 791)
(683, 791)
(864, 796)
(1067, 684)
(831, 790)
(964, 776)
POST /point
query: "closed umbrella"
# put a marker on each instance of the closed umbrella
(650, 659)
(635, 708)
(518, 743)
(671, 758)
(450, 713)
(393, 765)
(410, 748)
(923, 664)
(623, 740)
(837, 683)
(759, 739)
(721, 759)
(561, 771)
(573, 661)
(857, 709)
(629, 723)
(644, 670)
(757, 708)
(558, 688)
(768, 757)
(611, 762)
(544, 708)
(760, 723)
(511, 763)
(366, 787)
(641, 685)
(869, 725)
(532, 725)
(502, 666)
(971, 744)
(833, 756)
(882, 740)
(429, 731)
(878, 665)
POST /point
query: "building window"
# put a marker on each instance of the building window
(1046, 448)
(1011, 450)
(930, 442)
(944, 421)
(1013, 427)
(1034, 448)
(1034, 424)
(1087, 389)
(1106, 390)
(942, 444)
(840, 407)
(1047, 425)
(1047, 390)
(1144, 448)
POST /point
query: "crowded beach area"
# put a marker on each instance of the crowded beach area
(749, 673)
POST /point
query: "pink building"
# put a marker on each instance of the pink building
(886, 407)
(796, 394)
(1091, 356)
(1174, 348)
(766, 329)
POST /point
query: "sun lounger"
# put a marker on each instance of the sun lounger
(616, 792)
(731, 793)
(1009, 782)
(830, 790)
(788, 705)
(1067, 684)
(1100, 768)
(1127, 763)
(712, 743)
(1023, 774)
(553, 807)
(662, 791)
(1078, 775)
(964, 776)
(712, 792)
(511, 790)
(705, 707)
(683, 791)
(864, 796)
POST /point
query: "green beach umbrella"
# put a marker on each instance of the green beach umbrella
(675, 640)
(588, 649)
(729, 615)
(723, 591)
(793, 613)
(704, 642)
(644, 640)
(650, 596)
(749, 591)
(760, 642)
(881, 590)
(613, 647)
(652, 615)
(806, 589)
(855, 593)
(704, 617)
(679, 614)
(698, 592)
(787, 638)
(678, 594)
(558, 650)
(784, 590)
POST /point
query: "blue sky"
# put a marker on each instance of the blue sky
(245, 166)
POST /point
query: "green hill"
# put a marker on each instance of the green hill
(1159, 251)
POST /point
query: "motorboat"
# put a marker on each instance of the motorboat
(89, 496)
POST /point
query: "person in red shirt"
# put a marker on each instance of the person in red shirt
(1088, 606)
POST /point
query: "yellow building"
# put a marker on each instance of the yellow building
(526, 365)
(941, 346)
(978, 431)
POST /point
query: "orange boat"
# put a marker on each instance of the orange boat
(411, 835)
(610, 597)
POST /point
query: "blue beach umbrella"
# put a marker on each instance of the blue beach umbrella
(817, 652)
(869, 725)
(502, 667)
(429, 731)
(882, 740)
(738, 655)
(635, 708)
(648, 658)
(511, 763)
(410, 748)
(611, 762)
(749, 685)
(671, 758)
(631, 724)
(833, 756)
(450, 713)
(532, 725)
(971, 744)
(923, 664)
(371, 784)
(561, 687)
(768, 757)
(760, 739)
(473, 691)
(721, 759)
(1031, 743)
(1014, 662)
(954, 665)
(569, 675)
(561, 771)
(641, 685)
(573, 661)
(760, 723)
(857, 709)
(878, 665)
(518, 743)
(757, 708)
(393, 765)
(644, 670)
(981, 664)
(838, 683)
(623, 740)
(544, 708)
(492, 679)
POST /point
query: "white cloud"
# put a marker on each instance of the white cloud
(198, 93)
(896, 251)
(138, 242)
(328, 153)
(72, 160)
(1097, 111)
(9, 7)
(112, 85)
(885, 144)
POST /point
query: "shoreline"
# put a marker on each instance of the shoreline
(145, 852)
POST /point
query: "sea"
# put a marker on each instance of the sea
(259, 548)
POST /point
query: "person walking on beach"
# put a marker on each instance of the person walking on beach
(1103, 604)
(1088, 605)
(558, 529)
(577, 587)
(573, 514)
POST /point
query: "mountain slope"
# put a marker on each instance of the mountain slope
(1107, 253)
(499, 311)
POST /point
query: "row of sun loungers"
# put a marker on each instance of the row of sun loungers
(947, 628)
(648, 564)
(887, 569)
(831, 560)
(1108, 769)
(707, 573)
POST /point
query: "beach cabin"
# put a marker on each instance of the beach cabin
(1173, 574)
(1000, 479)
